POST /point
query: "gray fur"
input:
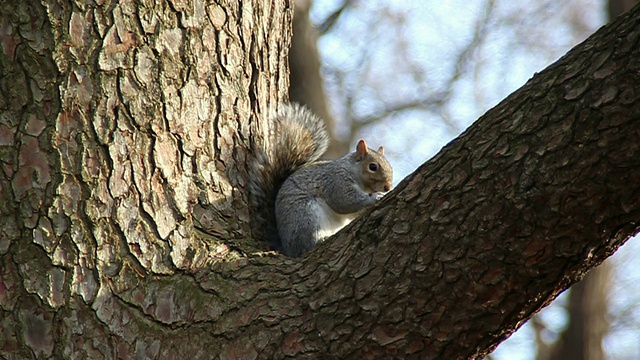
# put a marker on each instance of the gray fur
(297, 137)
(307, 200)
(334, 182)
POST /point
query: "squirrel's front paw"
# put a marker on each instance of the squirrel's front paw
(377, 195)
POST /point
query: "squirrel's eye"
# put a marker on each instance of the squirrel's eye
(373, 167)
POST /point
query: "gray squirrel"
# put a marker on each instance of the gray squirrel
(310, 200)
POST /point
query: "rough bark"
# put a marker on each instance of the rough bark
(126, 127)
(587, 305)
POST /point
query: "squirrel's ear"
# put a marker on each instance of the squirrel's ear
(381, 150)
(361, 149)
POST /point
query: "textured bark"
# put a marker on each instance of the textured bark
(124, 134)
(587, 305)
(124, 129)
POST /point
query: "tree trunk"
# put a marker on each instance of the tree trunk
(125, 129)
(125, 134)
(587, 307)
(307, 86)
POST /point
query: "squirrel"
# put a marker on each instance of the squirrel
(300, 201)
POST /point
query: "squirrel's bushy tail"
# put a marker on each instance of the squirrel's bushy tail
(298, 137)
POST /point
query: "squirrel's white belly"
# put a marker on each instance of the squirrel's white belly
(329, 221)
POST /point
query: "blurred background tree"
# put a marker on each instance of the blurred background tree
(413, 75)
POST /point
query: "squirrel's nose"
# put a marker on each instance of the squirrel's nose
(387, 188)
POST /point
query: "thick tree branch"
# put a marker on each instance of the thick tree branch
(542, 188)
